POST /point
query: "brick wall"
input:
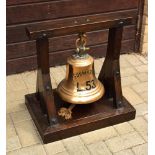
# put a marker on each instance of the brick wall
(144, 38)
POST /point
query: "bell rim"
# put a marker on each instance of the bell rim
(83, 99)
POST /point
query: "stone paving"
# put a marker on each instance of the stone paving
(129, 138)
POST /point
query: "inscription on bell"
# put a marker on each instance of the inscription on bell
(88, 86)
(84, 72)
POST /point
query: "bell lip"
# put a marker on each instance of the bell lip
(84, 99)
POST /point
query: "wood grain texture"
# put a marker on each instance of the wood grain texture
(21, 2)
(139, 25)
(29, 63)
(43, 85)
(64, 8)
(28, 48)
(45, 14)
(34, 33)
(86, 118)
(16, 33)
(110, 71)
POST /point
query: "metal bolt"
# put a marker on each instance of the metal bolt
(117, 73)
(87, 20)
(75, 22)
(121, 22)
(44, 34)
(119, 103)
(47, 88)
(53, 121)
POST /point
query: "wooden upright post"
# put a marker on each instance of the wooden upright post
(110, 72)
(44, 87)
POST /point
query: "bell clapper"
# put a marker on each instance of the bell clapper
(66, 112)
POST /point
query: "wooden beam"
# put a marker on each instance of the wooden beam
(34, 33)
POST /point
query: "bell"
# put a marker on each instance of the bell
(80, 85)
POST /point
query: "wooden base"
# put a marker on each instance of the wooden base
(85, 117)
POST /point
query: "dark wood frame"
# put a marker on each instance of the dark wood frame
(113, 108)
(139, 25)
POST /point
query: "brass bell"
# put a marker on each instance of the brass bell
(80, 85)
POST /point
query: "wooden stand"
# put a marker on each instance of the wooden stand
(43, 105)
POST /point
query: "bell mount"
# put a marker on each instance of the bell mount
(45, 103)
